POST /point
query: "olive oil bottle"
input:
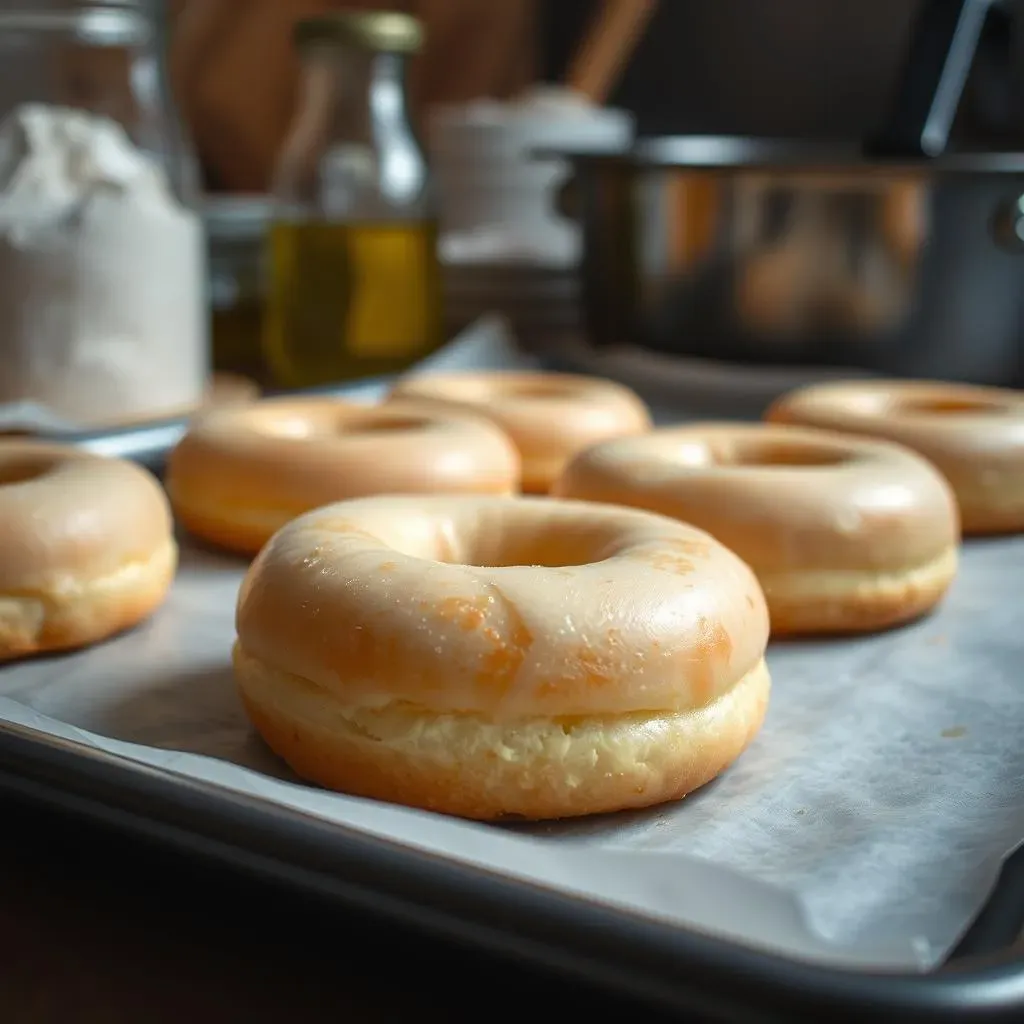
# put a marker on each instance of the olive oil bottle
(350, 299)
(353, 279)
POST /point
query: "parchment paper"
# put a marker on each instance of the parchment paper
(865, 826)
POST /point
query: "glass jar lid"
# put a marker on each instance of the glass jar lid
(96, 22)
(237, 217)
(378, 31)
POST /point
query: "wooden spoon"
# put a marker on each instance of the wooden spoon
(607, 47)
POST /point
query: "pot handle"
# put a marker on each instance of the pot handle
(943, 46)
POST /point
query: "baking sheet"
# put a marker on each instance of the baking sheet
(865, 826)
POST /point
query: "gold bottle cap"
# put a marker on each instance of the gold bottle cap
(380, 31)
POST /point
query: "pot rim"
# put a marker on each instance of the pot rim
(739, 153)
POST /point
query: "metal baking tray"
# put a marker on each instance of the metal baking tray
(679, 968)
(665, 966)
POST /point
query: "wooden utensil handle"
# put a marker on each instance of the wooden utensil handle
(607, 47)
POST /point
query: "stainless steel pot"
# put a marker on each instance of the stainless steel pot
(894, 256)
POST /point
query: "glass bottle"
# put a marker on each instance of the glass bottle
(236, 227)
(353, 278)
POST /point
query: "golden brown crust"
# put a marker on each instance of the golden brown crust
(632, 762)
(230, 532)
(95, 610)
(858, 603)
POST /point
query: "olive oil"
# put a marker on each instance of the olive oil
(352, 299)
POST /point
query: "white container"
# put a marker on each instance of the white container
(483, 162)
(102, 274)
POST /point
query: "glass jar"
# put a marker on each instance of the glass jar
(236, 227)
(354, 285)
(102, 261)
(104, 56)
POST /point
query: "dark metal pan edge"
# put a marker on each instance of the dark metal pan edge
(661, 964)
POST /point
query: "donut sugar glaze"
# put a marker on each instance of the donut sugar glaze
(974, 435)
(86, 547)
(549, 416)
(490, 656)
(240, 474)
(844, 533)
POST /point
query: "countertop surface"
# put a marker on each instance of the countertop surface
(99, 927)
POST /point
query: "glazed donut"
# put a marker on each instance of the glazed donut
(86, 547)
(974, 435)
(845, 534)
(549, 416)
(240, 474)
(490, 657)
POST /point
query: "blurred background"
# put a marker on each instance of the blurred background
(790, 68)
(236, 71)
(367, 188)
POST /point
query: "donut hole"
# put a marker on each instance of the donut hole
(23, 469)
(549, 545)
(501, 535)
(384, 425)
(949, 406)
(328, 422)
(485, 391)
(539, 389)
(781, 454)
(529, 556)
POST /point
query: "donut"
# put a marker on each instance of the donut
(231, 389)
(549, 416)
(86, 547)
(845, 534)
(495, 657)
(973, 434)
(239, 474)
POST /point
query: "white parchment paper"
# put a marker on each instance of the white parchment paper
(865, 826)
